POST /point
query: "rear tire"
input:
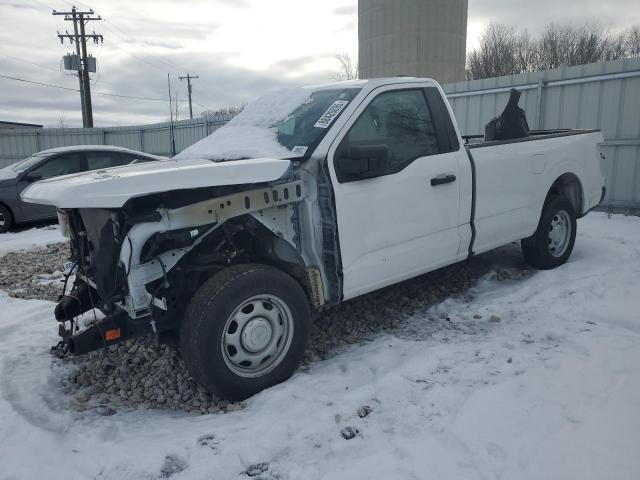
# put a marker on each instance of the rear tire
(245, 330)
(6, 219)
(552, 243)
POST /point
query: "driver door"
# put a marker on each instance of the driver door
(402, 218)
(52, 167)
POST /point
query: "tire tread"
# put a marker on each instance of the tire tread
(197, 320)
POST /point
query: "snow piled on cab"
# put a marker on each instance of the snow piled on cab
(252, 133)
(526, 377)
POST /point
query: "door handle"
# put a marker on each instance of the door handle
(442, 179)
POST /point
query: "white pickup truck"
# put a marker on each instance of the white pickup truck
(308, 198)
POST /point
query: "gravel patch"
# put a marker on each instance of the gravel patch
(34, 274)
(140, 374)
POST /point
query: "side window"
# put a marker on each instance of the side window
(399, 120)
(442, 121)
(61, 165)
(129, 158)
(105, 159)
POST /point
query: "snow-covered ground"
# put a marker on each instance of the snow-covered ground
(544, 385)
(31, 238)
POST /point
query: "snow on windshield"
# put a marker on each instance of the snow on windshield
(251, 134)
(283, 124)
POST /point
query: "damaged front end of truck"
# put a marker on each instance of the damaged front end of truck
(139, 265)
(253, 196)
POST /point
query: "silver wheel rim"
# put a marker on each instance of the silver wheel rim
(559, 233)
(257, 336)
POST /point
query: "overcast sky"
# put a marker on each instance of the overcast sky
(239, 48)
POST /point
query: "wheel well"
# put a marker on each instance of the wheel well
(568, 185)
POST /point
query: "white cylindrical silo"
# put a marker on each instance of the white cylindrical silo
(421, 38)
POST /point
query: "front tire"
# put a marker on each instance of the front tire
(552, 243)
(6, 219)
(245, 330)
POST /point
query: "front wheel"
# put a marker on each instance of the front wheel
(552, 243)
(6, 219)
(245, 330)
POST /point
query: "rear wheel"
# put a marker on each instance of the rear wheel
(245, 330)
(553, 241)
(6, 219)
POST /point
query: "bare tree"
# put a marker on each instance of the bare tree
(632, 43)
(222, 114)
(347, 69)
(62, 120)
(617, 47)
(505, 51)
(565, 45)
(501, 52)
(526, 57)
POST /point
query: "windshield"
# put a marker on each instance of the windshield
(27, 163)
(284, 124)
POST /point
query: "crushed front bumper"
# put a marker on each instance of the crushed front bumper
(111, 330)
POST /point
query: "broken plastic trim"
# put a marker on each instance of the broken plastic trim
(213, 211)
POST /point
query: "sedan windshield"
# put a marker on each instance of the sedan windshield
(27, 163)
(284, 124)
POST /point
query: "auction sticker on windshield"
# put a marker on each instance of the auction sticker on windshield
(332, 112)
(299, 150)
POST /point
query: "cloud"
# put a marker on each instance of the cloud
(219, 85)
(239, 49)
(346, 10)
(534, 16)
(24, 6)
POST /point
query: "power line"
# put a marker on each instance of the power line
(154, 65)
(39, 83)
(153, 60)
(201, 106)
(77, 90)
(129, 40)
(48, 7)
(31, 63)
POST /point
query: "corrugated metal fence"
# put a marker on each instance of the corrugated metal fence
(600, 95)
(20, 143)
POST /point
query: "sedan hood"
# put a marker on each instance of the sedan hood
(111, 188)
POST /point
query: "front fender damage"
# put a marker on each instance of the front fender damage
(144, 277)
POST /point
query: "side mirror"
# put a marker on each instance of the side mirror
(33, 176)
(360, 162)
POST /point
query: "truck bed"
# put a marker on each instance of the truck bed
(477, 141)
(511, 179)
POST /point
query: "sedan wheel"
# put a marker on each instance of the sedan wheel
(6, 219)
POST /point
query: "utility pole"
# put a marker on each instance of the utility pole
(80, 19)
(189, 78)
(80, 77)
(172, 139)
